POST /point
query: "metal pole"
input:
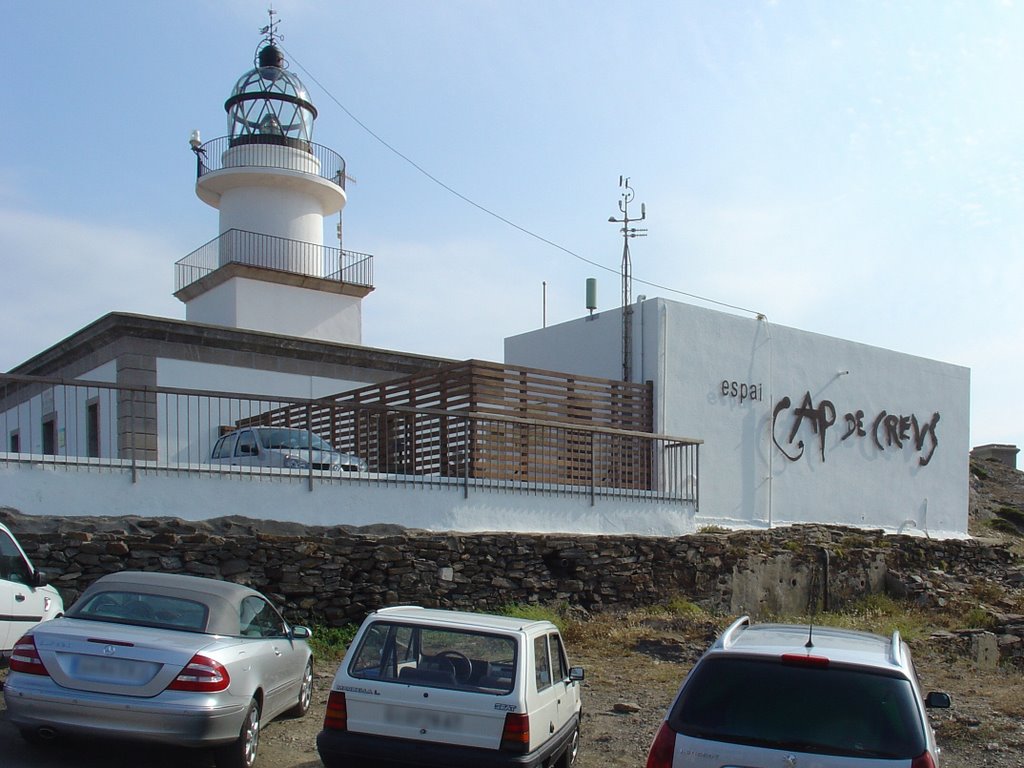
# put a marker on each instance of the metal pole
(627, 273)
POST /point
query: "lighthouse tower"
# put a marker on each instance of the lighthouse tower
(268, 269)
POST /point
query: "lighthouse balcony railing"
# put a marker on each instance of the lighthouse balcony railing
(268, 151)
(281, 254)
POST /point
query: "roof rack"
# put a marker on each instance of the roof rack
(896, 651)
(729, 637)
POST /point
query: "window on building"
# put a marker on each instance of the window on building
(92, 429)
(14, 445)
(50, 435)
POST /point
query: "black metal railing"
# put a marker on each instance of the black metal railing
(98, 426)
(308, 157)
(281, 254)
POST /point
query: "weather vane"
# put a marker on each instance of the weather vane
(270, 30)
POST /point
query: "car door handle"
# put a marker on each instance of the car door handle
(19, 598)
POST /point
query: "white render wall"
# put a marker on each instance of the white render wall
(797, 427)
(41, 489)
(289, 310)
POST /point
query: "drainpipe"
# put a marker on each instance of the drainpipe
(771, 400)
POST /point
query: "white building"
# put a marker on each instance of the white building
(788, 426)
(796, 427)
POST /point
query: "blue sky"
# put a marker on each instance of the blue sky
(853, 169)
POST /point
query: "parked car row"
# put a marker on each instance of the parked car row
(199, 662)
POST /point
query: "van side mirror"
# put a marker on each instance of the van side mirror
(936, 700)
(38, 579)
(576, 674)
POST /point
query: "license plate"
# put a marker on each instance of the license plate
(122, 671)
(423, 718)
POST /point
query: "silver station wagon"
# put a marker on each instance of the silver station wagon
(793, 696)
(449, 689)
(284, 448)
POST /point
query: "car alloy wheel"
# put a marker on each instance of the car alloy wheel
(242, 752)
(305, 692)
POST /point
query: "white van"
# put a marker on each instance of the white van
(25, 598)
(449, 689)
(282, 447)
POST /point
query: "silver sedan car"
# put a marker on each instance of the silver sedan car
(163, 658)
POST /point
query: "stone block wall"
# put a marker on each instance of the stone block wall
(336, 575)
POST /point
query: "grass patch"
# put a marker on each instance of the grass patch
(1002, 526)
(978, 618)
(683, 608)
(878, 614)
(330, 643)
(1013, 517)
(570, 626)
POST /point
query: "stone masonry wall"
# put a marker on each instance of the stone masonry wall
(336, 575)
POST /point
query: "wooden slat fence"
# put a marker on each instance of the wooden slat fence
(485, 420)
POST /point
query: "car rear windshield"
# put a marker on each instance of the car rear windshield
(828, 710)
(142, 609)
(438, 657)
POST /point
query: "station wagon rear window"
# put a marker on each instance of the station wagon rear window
(437, 657)
(831, 710)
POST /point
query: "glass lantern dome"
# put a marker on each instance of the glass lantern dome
(270, 105)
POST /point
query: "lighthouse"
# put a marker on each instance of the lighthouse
(268, 269)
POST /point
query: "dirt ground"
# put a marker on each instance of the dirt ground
(627, 690)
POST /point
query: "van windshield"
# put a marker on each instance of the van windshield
(292, 438)
(832, 710)
(436, 657)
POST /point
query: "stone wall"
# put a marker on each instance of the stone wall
(335, 575)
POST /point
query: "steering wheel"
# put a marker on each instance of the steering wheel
(461, 663)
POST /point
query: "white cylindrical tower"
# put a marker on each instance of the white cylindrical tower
(269, 269)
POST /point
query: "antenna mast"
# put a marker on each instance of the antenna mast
(627, 272)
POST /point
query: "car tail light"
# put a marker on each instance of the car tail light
(515, 736)
(660, 753)
(202, 674)
(924, 761)
(336, 718)
(25, 657)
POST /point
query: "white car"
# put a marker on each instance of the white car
(25, 598)
(795, 696)
(448, 689)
